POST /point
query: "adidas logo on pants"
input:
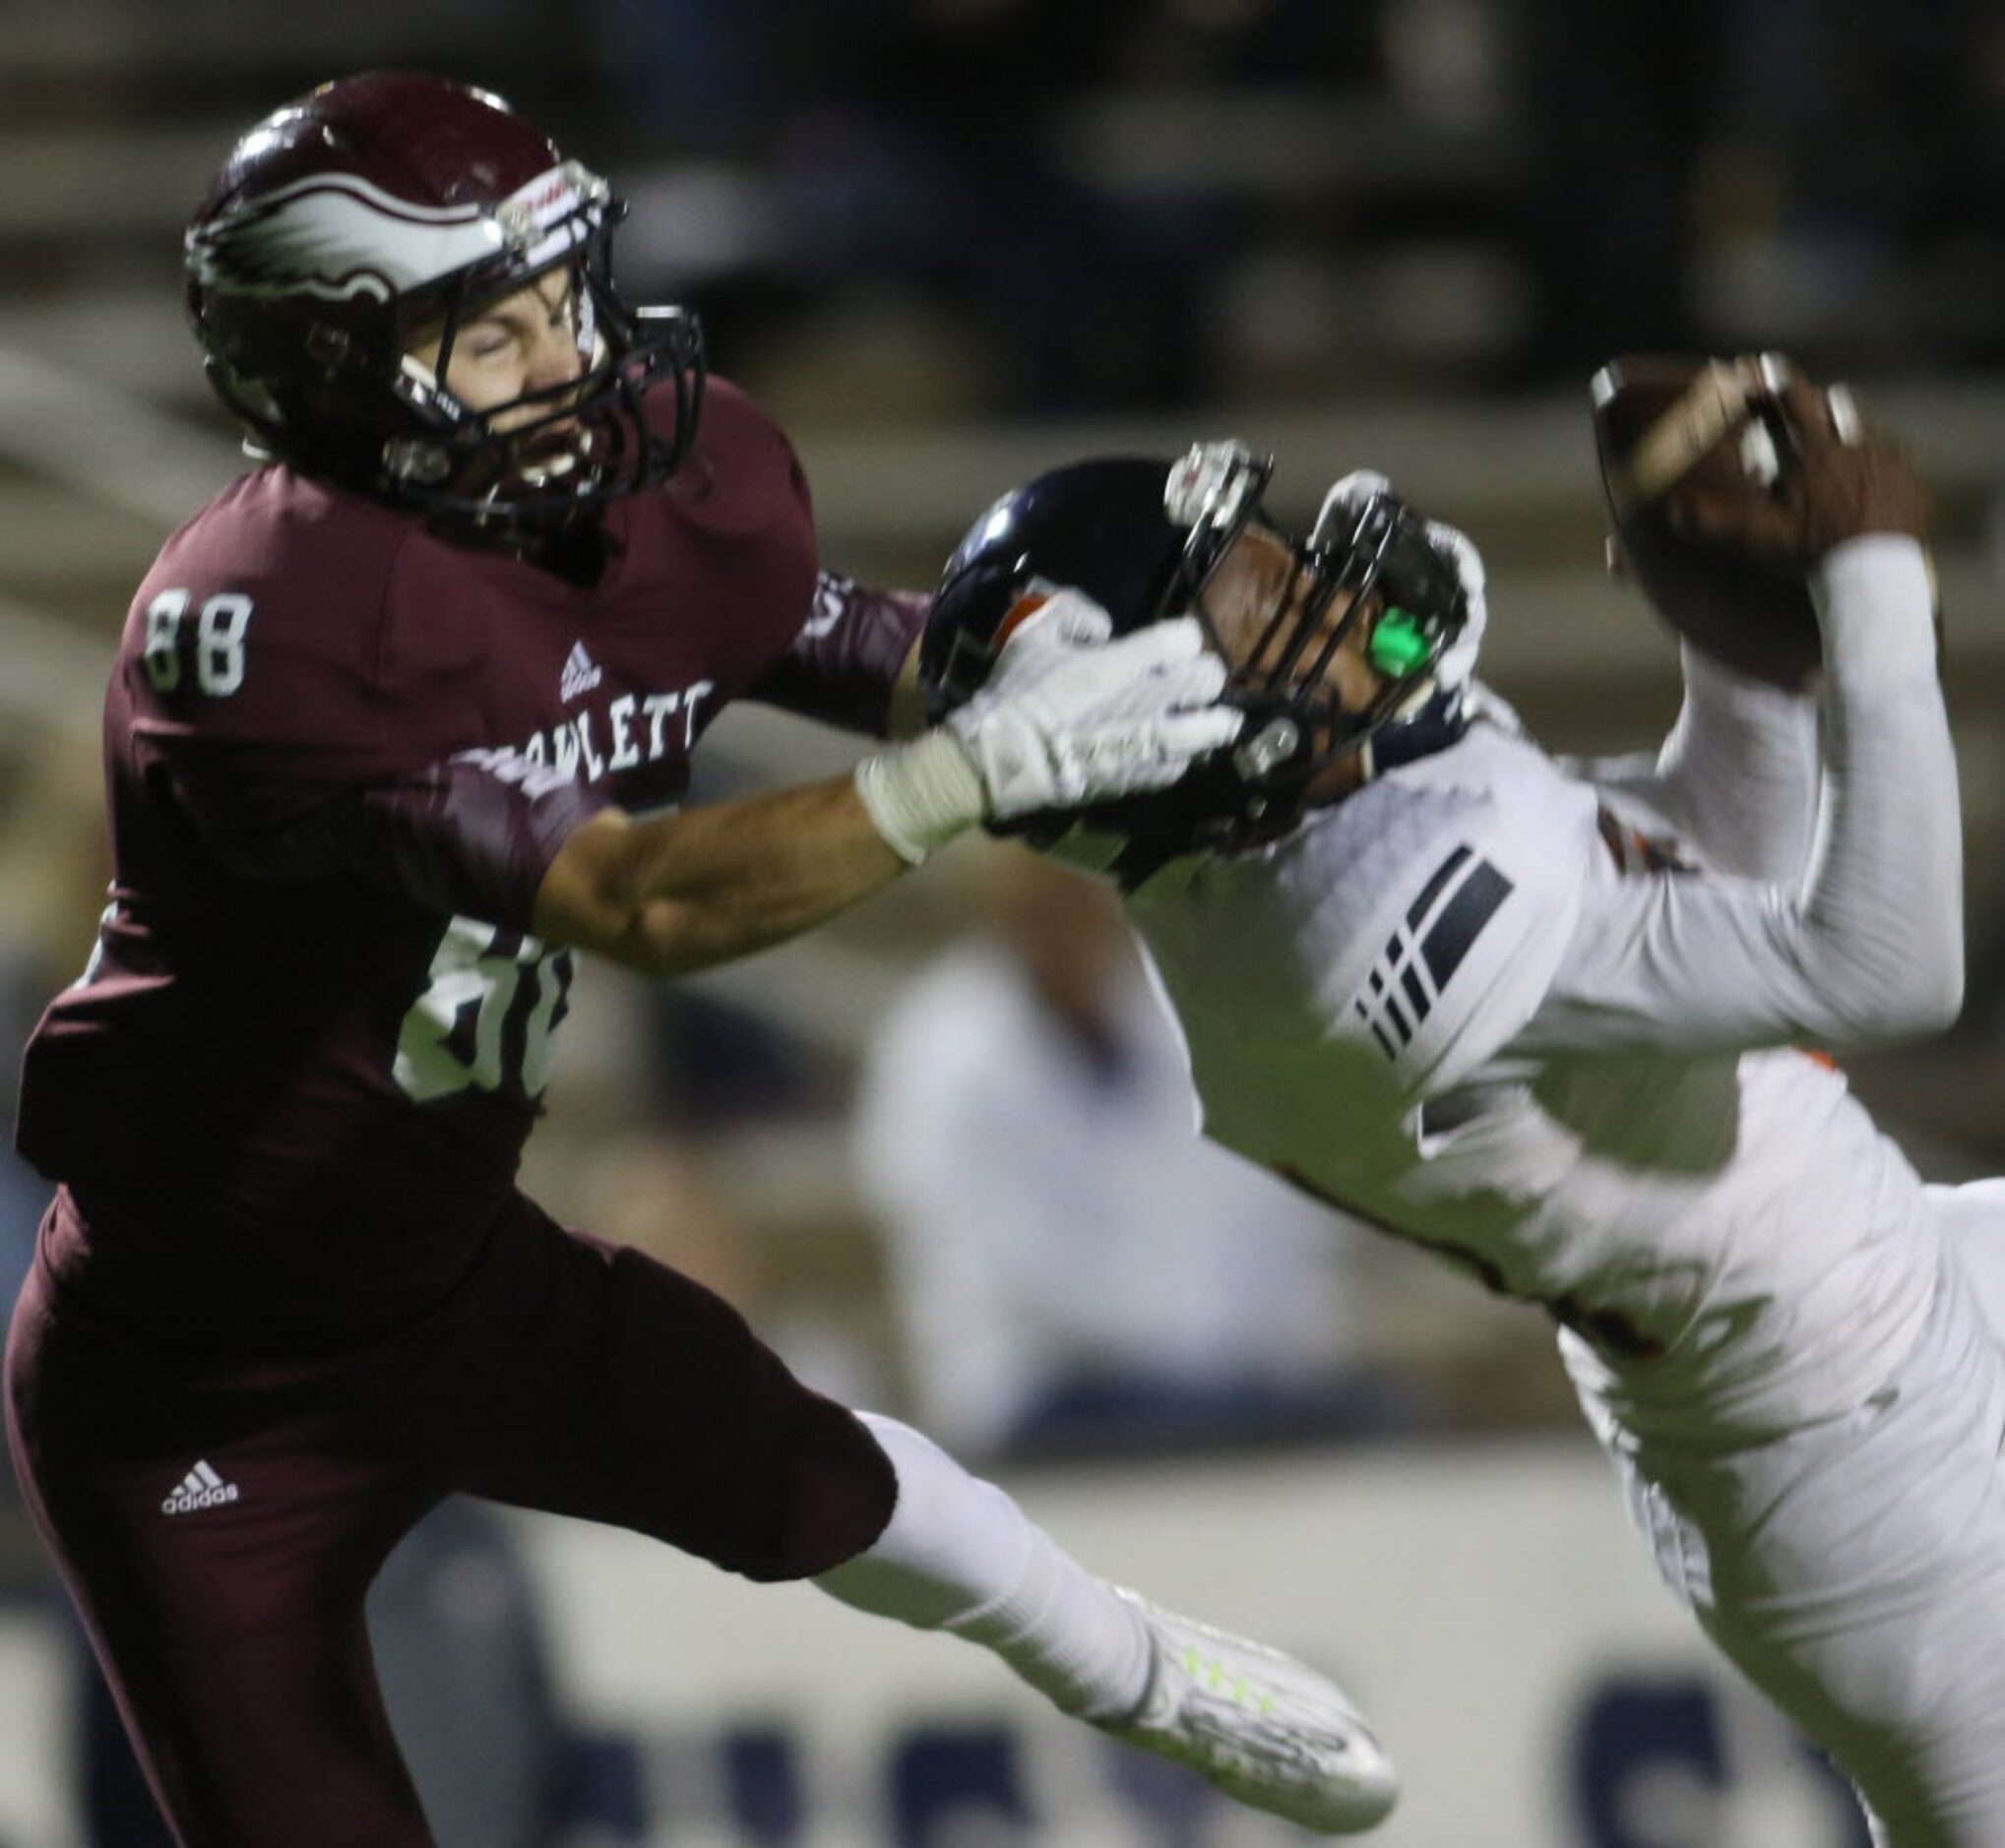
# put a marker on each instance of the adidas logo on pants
(200, 1488)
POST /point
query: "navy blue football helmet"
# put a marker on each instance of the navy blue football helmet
(1144, 537)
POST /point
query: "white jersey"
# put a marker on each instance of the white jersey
(1477, 1003)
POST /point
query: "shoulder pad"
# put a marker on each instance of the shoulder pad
(260, 623)
(1470, 920)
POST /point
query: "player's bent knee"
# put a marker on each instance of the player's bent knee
(721, 1449)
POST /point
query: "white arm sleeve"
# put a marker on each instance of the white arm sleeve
(1738, 778)
(1869, 945)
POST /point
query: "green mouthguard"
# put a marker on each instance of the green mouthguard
(1400, 643)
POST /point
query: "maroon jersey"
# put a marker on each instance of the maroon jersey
(291, 1090)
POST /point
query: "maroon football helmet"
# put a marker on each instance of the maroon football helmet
(385, 208)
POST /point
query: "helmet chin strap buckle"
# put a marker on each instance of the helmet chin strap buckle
(1271, 749)
(413, 458)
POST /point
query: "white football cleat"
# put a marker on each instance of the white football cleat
(1267, 1730)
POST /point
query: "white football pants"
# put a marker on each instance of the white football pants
(1854, 1570)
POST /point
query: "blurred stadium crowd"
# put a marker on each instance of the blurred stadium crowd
(944, 240)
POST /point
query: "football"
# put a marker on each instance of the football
(1664, 423)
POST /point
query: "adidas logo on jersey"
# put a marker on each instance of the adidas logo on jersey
(1427, 948)
(581, 673)
(200, 1488)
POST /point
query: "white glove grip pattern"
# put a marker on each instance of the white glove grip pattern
(1062, 725)
(1067, 720)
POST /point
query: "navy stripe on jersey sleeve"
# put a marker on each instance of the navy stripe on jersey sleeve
(1445, 945)
(842, 666)
(1423, 952)
(469, 838)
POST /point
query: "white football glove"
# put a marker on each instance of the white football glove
(1067, 718)
(1457, 665)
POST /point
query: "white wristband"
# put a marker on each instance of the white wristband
(921, 794)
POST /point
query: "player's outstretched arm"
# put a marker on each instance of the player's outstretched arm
(1068, 719)
(683, 891)
(1736, 780)
(1869, 946)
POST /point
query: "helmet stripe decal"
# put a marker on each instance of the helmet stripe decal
(337, 236)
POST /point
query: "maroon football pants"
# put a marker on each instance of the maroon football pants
(218, 1524)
